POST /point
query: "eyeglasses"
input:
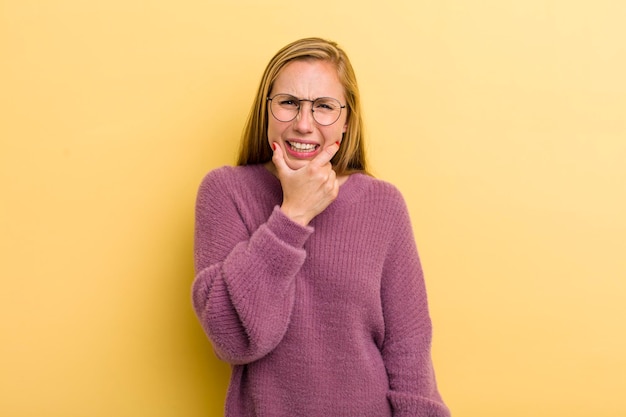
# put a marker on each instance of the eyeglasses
(285, 108)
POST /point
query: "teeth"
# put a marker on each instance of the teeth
(302, 147)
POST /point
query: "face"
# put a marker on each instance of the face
(303, 138)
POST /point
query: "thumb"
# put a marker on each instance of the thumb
(326, 155)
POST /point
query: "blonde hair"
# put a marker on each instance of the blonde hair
(254, 147)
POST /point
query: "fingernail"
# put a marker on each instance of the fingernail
(274, 146)
(338, 144)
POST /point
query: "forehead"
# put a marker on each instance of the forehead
(309, 79)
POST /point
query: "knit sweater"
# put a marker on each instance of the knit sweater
(327, 320)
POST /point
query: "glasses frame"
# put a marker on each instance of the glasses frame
(299, 101)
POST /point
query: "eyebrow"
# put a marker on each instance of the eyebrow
(307, 99)
(304, 99)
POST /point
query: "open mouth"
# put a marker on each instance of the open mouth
(302, 147)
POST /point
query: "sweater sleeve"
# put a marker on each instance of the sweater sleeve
(406, 349)
(244, 288)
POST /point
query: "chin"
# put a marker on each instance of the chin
(296, 165)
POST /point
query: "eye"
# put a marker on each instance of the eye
(326, 104)
(288, 101)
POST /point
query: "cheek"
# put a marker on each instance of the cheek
(335, 134)
(273, 131)
(343, 123)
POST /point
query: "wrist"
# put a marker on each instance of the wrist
(294, 216)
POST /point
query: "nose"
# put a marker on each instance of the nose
(304, 120)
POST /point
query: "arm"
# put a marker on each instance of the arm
(243, 292)
(407, 345)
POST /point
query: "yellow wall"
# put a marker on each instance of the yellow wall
(503, 123)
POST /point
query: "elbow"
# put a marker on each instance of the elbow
(233, 341)
(237, 349)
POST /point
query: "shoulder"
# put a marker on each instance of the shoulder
(226, 174)
(245, 186)
(220, 183)
(231, 177)
(372, 190)
(372, 200)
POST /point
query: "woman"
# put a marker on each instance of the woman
(307, 279)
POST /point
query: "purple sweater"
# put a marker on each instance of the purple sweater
(325, 320)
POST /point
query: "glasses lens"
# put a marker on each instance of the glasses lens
(284, 107)
(326, 110)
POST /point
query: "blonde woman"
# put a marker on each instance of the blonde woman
(308, 279)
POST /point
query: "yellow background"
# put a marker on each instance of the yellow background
(502, 122)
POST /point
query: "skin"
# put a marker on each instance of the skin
(308, 181)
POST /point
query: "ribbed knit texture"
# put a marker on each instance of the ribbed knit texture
(329, 320)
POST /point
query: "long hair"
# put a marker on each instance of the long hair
(254, 147)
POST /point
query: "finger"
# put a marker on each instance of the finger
(332, 177)
(279, 159)
(333, 184)
(326, 155)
